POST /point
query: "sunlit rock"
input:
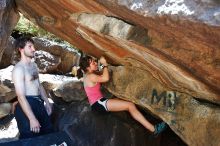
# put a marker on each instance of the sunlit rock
(5, 109)
(71, 91)
(68, 56)
(46, 62)
(9, 131)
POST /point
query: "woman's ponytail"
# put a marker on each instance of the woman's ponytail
(84, 62)
(79, 73)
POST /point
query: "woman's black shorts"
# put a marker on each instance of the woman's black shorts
(100, 105)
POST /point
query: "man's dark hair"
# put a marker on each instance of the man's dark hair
(21, 41)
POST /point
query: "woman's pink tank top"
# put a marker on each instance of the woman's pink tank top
(93, 93)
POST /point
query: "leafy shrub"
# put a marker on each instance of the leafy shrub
(24, 26)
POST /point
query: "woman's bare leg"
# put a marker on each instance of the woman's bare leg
(121, 105)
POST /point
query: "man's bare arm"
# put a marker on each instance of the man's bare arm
(45, 98)
(43, 94)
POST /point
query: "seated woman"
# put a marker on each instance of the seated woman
(92, 80)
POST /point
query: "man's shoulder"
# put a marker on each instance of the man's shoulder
(34, 64)
(18, 71)
(18, 67)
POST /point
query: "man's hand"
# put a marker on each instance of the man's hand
(34, 125)
(48, 107)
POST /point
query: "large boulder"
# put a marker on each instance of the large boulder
(54, 82)
(184, 113)
(8, 19)
(127, 33)
(46, 62)
(7, 91)
(70, 91)
(7, 57)
(68, 56)
(5, 109)
(89, 128)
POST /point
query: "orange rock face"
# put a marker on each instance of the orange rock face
(190, 50)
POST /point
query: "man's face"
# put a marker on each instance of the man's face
(29, 50)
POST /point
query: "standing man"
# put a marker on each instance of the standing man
(31, 115)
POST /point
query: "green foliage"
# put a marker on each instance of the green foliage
(28, 27)
(25, 26)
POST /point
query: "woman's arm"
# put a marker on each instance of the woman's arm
(104, 77)
(99, 78)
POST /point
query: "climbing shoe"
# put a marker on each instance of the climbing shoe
(159, 128)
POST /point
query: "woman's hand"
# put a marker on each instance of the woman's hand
(103, 61)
